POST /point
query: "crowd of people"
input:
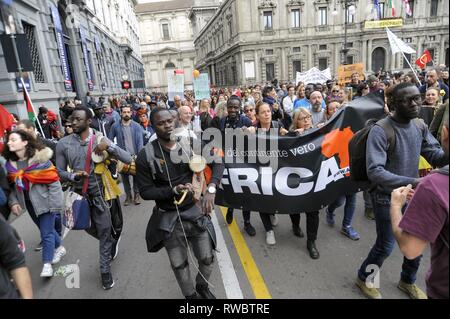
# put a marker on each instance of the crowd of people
(137, 130)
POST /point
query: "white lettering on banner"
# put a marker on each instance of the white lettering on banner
(248, 176)
(303, 149)
(266, 180)
(250, 182)
(330, 165)
(282, 178)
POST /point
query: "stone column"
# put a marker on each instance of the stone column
(364, 55)
(337, 58)
(442, 51)
(258, 75)
(369, 55)
(419, 46)
(283, 68)
(310, 58)
(243, 79)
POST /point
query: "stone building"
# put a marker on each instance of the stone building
(254, 41)
(76, 46)
(167, 37)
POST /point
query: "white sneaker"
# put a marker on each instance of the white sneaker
(47, 270)
(59, 253)
(270, 238)
(274, 220)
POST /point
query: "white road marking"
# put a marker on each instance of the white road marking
(229, 277)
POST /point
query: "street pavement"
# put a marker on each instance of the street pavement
(286, 270)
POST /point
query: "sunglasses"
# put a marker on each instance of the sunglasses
(248, 110)
(68, 126)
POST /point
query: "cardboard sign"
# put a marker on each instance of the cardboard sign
(345, 72)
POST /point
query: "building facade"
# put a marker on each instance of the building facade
(167, 38)
(256, 41)
(76, 47)
(166, 41)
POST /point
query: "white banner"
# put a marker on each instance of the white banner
(201, 87)
(249, 70)
(314, 75)
(175, 84)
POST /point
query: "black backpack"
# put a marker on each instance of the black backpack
(358, 143)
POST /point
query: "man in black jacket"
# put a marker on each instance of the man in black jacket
(173, 224)
(12, 265)
(234, 120)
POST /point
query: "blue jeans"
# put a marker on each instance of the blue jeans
(50, 238)
(349, 209)
(385, 242)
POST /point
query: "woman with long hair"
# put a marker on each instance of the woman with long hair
(301, 124)
(221, 112)
(35, 186)
(264, 125)
(430, 105)
(206, 114)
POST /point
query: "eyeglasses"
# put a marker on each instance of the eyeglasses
(304, 118)
(248, 110)
(337, 91)
(68, 126)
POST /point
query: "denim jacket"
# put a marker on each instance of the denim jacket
(137, 134)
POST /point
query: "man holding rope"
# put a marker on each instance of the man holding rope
(180, 216)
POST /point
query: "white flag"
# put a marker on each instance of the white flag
(407, 7)
(397, 45)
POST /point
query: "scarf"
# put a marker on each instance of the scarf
(111, 190)
(35, 174)
(269, 100)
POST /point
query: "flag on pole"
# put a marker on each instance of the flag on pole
(397, 45)
(377, 8)
(424, 59)
(407, 7)
(392, 6)
(29, 105)
(6, 123)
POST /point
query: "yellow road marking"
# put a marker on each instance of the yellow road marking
(257, 282)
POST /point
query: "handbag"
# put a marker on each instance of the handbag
(77, 213)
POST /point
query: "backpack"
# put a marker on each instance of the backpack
(358, 144)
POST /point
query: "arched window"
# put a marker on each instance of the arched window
(378, 59)
(170, 65)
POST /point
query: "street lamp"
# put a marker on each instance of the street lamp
(349, 8)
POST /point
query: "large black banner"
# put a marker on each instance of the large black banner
(311, 171)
